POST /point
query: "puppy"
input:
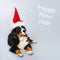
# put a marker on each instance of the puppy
(18, 39)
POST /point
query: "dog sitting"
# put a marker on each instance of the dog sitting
(18, 39)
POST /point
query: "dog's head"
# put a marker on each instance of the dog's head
(20, 31)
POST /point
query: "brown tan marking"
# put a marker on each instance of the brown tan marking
(18, 52)
(28, 49)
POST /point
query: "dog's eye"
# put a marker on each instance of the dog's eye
(24, 30)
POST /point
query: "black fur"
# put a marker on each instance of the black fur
(13, 40)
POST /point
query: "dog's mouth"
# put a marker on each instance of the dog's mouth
(21, 35)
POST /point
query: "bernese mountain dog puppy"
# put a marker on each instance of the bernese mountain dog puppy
(18, 40)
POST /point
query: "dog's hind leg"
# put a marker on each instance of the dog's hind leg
(28, 49)
(16, 50)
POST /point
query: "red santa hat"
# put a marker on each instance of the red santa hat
(16, 19)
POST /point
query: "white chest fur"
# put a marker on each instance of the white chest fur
(23, 42)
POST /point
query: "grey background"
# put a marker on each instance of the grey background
(47, 36)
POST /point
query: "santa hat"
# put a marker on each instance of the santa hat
(16, 19)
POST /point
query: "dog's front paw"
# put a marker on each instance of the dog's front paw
(21, 55)
(29, 52)
(34, 41)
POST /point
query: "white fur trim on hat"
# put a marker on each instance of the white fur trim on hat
(18, 24)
